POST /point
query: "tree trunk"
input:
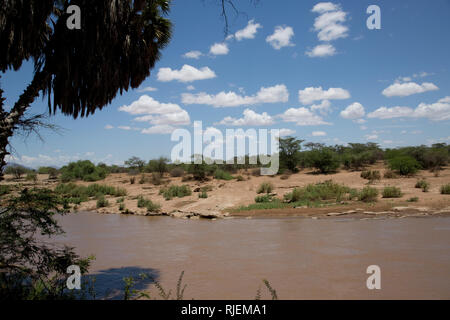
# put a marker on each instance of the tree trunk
(10, 121)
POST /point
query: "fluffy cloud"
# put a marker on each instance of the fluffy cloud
(353, 111)
(408, 88)
(248, 32)
(192, 54)
(186, 74)
(371, 137)
(318, 133)
(157, 113)
(281, 37)
(322, 50)
(329, 25)
(251, 118)
(278, 93)
(190, 88)
(159, 129)
(109, 127)
(389, 113)
(438, 111)
(286, 132)
(147, 89)
(311, 94)
(302, 117)
(219, 49)
(323, 107)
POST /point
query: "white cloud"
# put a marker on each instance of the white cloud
(159, 129)
(124, 127)
(318, 133)
(389, 113)
(353, 111)
(157, 113)
(186, 74)
(311, 94)
(323, 7)
(408, 88)
(371, 137)
(323, 107)
(278, 93)
(302, 117)
(281, 37)
(219, 49)
(251, 118)
(109, 127)
(192, 54)
(329, 24)
(360, 121)
(248, 32)
(321, 50)
(190, 88)
(286, 132)
(437, 111)
(148, 89)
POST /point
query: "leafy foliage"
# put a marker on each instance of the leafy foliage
(392, 192)
(175, 191)
(82, 170)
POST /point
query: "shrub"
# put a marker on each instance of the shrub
(404, 165)
(324, 159)
(4, 189)
(156, 178)
(423, 184)
(392, 192)
(32, 176)
(177, 172)
(368, 194)
(102, 202)
(83, 170)
(327, 190)
(132, 180)
(413, 199)
(16, 171)
(240, 178)
(371, 175)
(142, 179)
(120, 200)
(222, 175)
(389, 174)
(263, 199)
(158, 165)
(256, 172)
(265, 187)
(175, 191)
(122, 207)
(445, 189)
(203, 195)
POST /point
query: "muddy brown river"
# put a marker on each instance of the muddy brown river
(301, 258)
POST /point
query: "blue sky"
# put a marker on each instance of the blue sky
(311, 68)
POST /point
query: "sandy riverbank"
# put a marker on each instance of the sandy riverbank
(226, 196)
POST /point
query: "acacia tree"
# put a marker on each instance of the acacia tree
(79, 70)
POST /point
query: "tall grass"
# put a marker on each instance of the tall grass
(175, 191)
(445, 189)
(76, 194)
(392, 192)
(265, 187)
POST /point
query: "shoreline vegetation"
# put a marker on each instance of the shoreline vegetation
(358, 181)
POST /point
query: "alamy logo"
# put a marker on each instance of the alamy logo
(374, 281)
(74, 280)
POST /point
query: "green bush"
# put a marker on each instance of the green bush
(368, 194)
(156, 178)
(423, 184)
(392, 192)
(122, 207)
(371, 175)
(175, 191)
(16, 171)
(327, 190)
(240, 178)
(203, 195)
(263, 199)
(324, 159)
(77, 194)
(148, 204)
(102, 202)
(404, 165)
(177, 172)
(31, 176)
(83, 170)
(222, 175)
(445, 189)
(413, 199)
(265, 187)
(4, 189)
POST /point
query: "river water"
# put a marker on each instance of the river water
(301, 258)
